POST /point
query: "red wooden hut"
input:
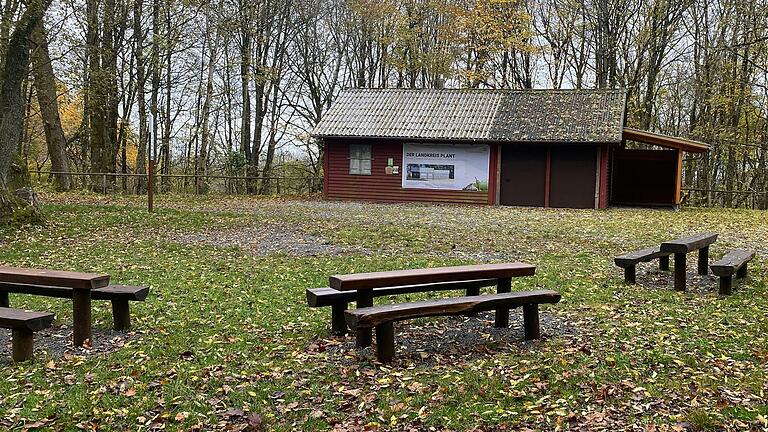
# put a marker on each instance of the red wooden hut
(548, 148)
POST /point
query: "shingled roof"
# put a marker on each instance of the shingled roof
(477, 115)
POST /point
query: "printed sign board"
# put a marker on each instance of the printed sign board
(446, 166)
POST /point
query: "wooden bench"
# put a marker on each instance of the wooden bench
(734, 262)
(81, 285)
(681, 247)
(339, 300)
(383, 317)
(630, 261)
(119, 295)
(23, 325)
(365, 283)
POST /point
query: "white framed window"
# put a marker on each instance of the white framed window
(360, 159)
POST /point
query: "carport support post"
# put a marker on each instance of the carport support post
(680, 271)
(502, 315)
(703, 260)
(364, 336)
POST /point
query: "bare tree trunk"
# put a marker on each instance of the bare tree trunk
(155, 65)
(202, 160)
(47, 98)
(141, 156)
(246, 40)
(96, 101)
(13, 73)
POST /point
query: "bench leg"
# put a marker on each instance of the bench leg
(531, 321)
(742, 272)
(726, 285)
(363, 336)
(23, 341)
(502, 315)
(664, 263)
(338, 324)
(680, 272)
(4, 302)
(472, 292)
(385, 342)
(704, 261)
(629, 275)
(121, 315)
(81, 316)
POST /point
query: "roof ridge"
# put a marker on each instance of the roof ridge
(468, 90)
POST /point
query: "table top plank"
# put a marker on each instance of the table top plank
(75, 280)
(358, 281)
(689, 243)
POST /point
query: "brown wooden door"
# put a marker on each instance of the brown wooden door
(573, 170)
(523, 175)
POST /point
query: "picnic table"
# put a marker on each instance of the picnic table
(81, 285)
(681, 247)
(365, 283)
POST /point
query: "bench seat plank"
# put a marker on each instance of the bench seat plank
(689, 243)
(362, 281)
(321, 297)
(69, 279)
(642, 255)
(110, 292)
(23, 325)
(372, 316)
(122, 292)
(26, 320)
(119, 295)
(729, 264)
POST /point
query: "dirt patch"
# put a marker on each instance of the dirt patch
(268, 239)
(56, 342)
(449, 340)
(695, 283)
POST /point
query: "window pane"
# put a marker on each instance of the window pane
(365, 152)
(354, 152)
(365, 166)
(354, 166)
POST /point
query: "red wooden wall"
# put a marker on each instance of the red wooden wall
(379, 186)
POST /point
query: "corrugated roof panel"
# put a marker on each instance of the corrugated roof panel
(499, 115)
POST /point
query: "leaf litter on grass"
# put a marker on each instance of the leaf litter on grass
(226, 336)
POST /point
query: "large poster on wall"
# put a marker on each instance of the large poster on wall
(446, 166)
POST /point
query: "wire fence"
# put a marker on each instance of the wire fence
(130, 183)
(698, 197)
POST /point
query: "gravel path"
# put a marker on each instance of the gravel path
(268, 239)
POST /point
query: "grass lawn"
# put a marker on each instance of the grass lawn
(226, 341)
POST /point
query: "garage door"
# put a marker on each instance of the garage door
(572, 176)
(523, 175)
